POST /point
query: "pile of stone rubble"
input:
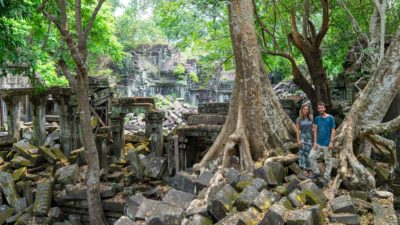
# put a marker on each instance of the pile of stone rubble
(174, 111)
(40, 185)
(286, 89)
(270, 195)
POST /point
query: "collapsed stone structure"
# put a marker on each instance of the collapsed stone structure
(161, 69)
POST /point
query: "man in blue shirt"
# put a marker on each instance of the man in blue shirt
(324, 135)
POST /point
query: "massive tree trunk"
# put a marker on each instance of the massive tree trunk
(363, 120)
(256, 123)
(78, 50)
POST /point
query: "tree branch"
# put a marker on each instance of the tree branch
(263, 26)
(63, 15)
(52, 18)
(78, 20)
(298, 77)
(325, 24)
(64, 68)
(390, 126)
(385, 146)
(353, 21)
(306, 16)
(92, 18)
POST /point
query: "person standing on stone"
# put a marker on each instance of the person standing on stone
(304, 131)
(324, 136)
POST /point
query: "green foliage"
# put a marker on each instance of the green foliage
(193, 76)
(32, 45)
(48, 73)
(179, 71)
(200, 28)
(133, 30)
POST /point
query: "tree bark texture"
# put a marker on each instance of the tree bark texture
(369, 109)
(80, 83)
(256, 123)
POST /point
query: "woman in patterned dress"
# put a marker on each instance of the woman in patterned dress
(304, 134)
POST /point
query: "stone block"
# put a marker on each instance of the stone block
(47, 154)
(43, 198)
(345, 218)
(300, 217)
(67, 174)
(154, 166)
(136, 164)
(139, 207)
(178, 198)
(28, 151)
(384, 213)
(312, 193)
(245, 199)
(19, 161)
(342, 204)
(381, 175)
(184, 182)
(24, 219)
(19, 173)
(292, 185)
(156, 210)
(222, 202)
(295, 198)
(52, 138)
(124, 220)
(5, 213)
(241, 218)
(232, 176)
(14, 218)
(258, 184)
(276, 215)
(286, 203)
(278, 169)
(54, 212)
(8, 186)
(264, 200)
(27, 192)
(359, 194)
(198, 219)
(132, 205)
(266, 173)
(79, 191)
(295, 168)
(204, 180)
(20, 205)
(317, 215)
(245, 179)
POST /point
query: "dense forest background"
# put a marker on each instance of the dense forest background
(31, 44)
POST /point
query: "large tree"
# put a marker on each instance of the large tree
(76, 39)
(308, 42)
(256, 123)
(363, 122)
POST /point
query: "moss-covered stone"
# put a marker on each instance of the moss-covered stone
(28, 151)
(9, 190)
(18, 161)
(222, 202)
(264, 200)
(47, 154)
(5, 213)
(382, 175)
(311, 198)
(43, 197)
(19, 173)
